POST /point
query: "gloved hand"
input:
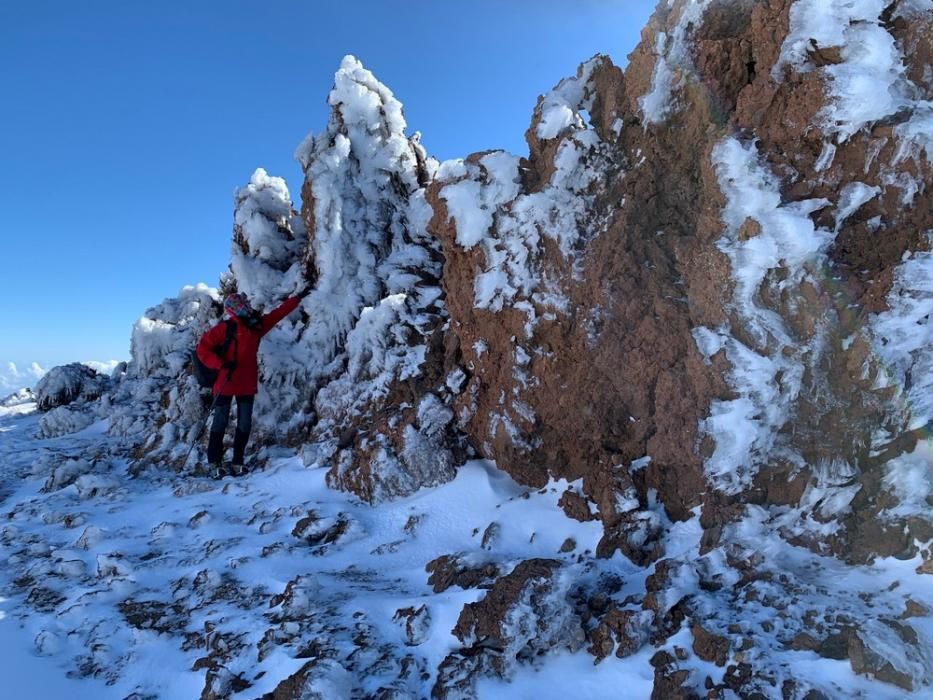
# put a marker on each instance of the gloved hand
(302, 293)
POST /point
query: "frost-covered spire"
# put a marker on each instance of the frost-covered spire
(268, 238)
(364, 207)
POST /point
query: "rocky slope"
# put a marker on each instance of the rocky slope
(700, 305)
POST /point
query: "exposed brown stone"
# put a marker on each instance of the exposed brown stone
(482, 620)
(498, 633)
(452, 570)
(416, 623)
(708, 646)
(622, 631)
(292, 687)
(670, 681)
(576, 506)
(914, 609)
(866, 660)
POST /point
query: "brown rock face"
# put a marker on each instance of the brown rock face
(576, 298)
(618, 324)
(610, 372)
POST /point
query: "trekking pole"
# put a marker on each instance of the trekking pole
(210, 412)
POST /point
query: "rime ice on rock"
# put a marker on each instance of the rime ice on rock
(156, 399)
(377, 298)
(366, 213)
(362, 242)
(490, 208)
(268, 240)
(765, 375)
(672, 59)
(68, 383)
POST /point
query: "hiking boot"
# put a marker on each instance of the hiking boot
(239, 445)
(218, 471)
(238, 470)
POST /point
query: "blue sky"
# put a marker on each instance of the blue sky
(126, 126)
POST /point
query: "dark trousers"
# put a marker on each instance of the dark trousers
(244, 422)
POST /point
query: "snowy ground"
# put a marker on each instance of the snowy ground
(106, 539)
(132, 580)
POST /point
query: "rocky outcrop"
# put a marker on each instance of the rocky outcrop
(384, 370)
(565, 378)
(523, 616)
(680, 290)
(652, 281)
(18, 398)
(363, 376)
(67, 384)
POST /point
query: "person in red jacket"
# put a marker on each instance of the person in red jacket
(238, 372)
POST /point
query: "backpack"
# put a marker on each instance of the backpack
(205, 375)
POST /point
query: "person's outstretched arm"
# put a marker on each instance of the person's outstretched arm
(284, 309)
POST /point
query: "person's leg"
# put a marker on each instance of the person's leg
(244, 422)
(215, 445)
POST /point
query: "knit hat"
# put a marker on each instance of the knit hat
(237, 305)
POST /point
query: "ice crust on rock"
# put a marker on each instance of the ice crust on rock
(672, 59)
(561, 108)
(69, 383)
(268, 241)
(63, 420)
(903, 337)
(491, 210)
(369, 240)
(870, 83)
(765, 376)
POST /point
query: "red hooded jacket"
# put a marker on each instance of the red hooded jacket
(244, 380)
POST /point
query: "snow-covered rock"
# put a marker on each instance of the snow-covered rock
(63, 420)
(69, 383)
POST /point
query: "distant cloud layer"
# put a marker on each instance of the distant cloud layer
(12, 378)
